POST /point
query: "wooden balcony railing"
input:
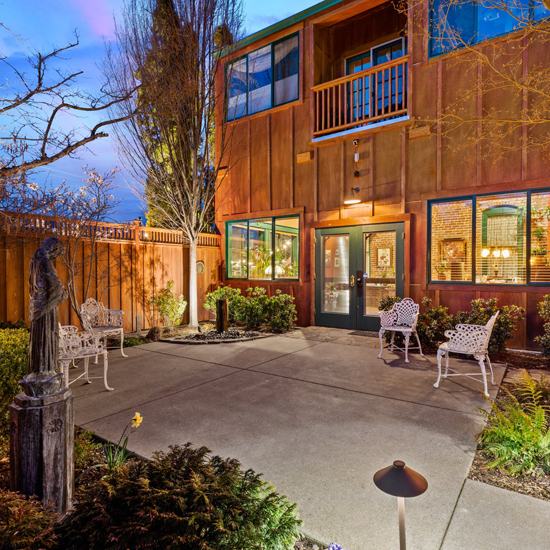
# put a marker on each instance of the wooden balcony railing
(364, 97)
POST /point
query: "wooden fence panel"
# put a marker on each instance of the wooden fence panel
(127, 269)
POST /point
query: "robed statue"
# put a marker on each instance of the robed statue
(46, 293)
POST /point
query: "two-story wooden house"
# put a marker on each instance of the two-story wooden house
(342, 186)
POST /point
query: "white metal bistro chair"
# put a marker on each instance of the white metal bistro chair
(108, 322)
(468, 340)
(402, 317)
(75, 345)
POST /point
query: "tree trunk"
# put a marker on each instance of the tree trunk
(193, 301)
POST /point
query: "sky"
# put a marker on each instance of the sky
(43, 24)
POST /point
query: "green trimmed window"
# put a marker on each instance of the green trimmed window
(264, 78)
(458, 23)
(263, 249)
(490, 239)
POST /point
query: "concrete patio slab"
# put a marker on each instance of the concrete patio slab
(319, 439)
(359, 369)
(492, 518)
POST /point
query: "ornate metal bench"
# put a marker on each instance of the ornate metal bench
(80, 345)
(468, 340)
(108, 322)
(402, 317)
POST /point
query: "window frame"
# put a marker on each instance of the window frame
(475, 40)
(245, 56)
(473, 282)
(273, 235)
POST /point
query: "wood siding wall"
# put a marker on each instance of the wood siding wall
(267, 173)
(135, 269)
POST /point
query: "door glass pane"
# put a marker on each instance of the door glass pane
(287, 240)
(336, 289)
(260, 258)
(236, 250)
(379, 270)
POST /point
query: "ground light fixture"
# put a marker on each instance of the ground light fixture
(401, 482)
(352, 198)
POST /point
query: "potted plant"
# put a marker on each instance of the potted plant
(441, 269)
(538, 255)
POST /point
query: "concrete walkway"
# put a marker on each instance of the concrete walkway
(318, 414)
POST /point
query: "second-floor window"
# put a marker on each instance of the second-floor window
(457, 23)
(264, 78)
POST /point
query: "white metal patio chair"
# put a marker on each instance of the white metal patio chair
(108, 322)
(468, 340)
(402, 317)
(75, 345)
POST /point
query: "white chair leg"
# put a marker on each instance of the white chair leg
(436, 385)
(407, 338)
(105, 369)
(419, 344)
(483, 374)
(381, 336)
(491, 368)
(446, 365)
(122, 345)
(392, 338)
(86, 375)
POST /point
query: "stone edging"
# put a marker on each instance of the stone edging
(203, 342)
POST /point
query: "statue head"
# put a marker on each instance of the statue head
(52, 248)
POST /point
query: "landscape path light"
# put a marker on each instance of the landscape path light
(401, 482)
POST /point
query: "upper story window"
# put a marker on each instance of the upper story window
(456, 23)
(264, 78)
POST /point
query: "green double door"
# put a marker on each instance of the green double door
(355, 268)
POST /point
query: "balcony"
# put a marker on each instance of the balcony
(360, 99)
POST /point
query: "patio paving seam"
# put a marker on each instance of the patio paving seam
(454, 508)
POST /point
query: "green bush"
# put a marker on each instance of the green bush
(85, 450)
(517, 437)
(544, 311)
(432, 324)
(505, 325)
(25, 524)
(526, 386)
(281, 312)
(14, 360)
(170, 306)
(232, 296)
(130, 341)
(9, 325)
(252, 308)
(183, 499)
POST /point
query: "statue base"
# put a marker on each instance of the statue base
(42, 448)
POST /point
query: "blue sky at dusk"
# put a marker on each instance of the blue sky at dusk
(43, 24)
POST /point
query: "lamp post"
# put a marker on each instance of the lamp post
(401, 482)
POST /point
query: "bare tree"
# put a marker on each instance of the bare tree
(79, 221)
(32, 105)
(492, 68)
(169, 47)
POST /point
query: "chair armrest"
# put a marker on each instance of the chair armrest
(387, 318)
(68, 328)
(470, 328)
(114, 317)
(75, 343)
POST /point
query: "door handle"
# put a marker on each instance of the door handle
(352, 281)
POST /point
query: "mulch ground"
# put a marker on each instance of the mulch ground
(519, 360)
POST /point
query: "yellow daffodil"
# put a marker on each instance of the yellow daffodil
(137, 420)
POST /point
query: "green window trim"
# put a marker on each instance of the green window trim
(272, 102)
(523, 216)
(274, 228)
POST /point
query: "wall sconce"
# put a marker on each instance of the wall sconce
(356, 158)
(353, 199)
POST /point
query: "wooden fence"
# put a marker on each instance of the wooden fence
(131, 265)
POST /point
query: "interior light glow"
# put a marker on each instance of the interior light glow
(485, 252)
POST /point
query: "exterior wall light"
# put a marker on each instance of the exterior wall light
(353, 199)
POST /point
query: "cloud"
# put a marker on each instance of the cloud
(98, 16)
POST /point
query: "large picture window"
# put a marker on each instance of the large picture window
(263, 249)
(457, 23)
(264, 78)
(491, 239)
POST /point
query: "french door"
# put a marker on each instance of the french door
(355, 268)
